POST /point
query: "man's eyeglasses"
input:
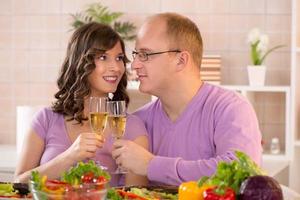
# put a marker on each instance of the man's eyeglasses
(143, 56)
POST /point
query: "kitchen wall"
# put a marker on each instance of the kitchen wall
(34, 34)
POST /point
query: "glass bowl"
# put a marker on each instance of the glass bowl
(63, 191)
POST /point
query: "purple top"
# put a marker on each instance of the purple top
(50, 126)
(214, 123)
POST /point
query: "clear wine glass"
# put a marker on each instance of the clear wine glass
(117, 123)
(98, 114)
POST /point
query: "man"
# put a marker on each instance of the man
(192, 125)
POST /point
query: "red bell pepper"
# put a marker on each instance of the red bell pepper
(130, 195)
(10, 196)
(213, 194)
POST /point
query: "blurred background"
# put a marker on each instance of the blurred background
(34, 36)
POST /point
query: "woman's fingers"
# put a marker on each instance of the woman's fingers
(93, 139)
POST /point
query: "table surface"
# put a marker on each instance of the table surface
(8, 163)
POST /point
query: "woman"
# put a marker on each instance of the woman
(60, 136)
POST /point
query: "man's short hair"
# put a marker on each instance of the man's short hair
(184, 34)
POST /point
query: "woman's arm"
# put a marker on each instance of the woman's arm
(131, 178)
(85, 146)
(32, 151)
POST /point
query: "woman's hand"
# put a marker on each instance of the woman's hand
(84, 147)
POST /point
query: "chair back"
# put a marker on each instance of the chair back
(24, 118)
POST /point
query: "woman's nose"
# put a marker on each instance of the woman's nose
(115, 66)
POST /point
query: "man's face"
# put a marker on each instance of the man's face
(154, 73)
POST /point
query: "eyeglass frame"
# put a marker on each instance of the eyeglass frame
(146, 55)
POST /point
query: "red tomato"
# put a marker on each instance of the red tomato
(87, 177)
(100, 182)
(100, 179)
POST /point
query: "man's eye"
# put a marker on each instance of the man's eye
(143, 55)
(101, 57)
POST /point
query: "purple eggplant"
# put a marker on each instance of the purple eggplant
(260, 188)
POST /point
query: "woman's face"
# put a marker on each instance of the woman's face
(108, 71)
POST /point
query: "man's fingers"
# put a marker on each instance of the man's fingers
(118, 161)
(119, 143)
(116, 153)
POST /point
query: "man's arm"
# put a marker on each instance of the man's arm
(171, 171)
(235, 127)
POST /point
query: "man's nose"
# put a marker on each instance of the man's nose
(136, 64)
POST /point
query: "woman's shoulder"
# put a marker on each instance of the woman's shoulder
(46, 115)
(47, 112)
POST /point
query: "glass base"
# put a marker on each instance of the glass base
(101, 166)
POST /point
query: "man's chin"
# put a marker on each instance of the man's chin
(144, 89)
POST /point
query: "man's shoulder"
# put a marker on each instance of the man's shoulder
(219, 95)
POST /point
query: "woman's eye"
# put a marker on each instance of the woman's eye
(120, 58)
(101, 57)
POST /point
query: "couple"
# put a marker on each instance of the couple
(179, 137)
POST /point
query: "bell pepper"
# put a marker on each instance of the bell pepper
(190, 191)
(223, 194)
(55, 187)
(130, 195)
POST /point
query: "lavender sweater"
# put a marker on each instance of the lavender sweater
(214, 123)
(50, 126)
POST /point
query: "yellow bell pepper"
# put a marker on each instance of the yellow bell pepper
(189, 191)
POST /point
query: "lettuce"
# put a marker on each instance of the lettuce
(73, 175)
(232, 174)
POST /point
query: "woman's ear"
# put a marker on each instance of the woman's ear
(182, 60)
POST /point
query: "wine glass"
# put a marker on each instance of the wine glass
(98, 117)
(98, 114)
(117, 123)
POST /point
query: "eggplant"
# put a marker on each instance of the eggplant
(260, 188)
(22, 188)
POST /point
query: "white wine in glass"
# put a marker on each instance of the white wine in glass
(117, 123)
(98, 114)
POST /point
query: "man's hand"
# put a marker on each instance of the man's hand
(131, 156)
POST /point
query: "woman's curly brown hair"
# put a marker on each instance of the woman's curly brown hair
(72, 82)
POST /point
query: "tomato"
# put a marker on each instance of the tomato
(87, 177)
(99, 179)
(100, 182)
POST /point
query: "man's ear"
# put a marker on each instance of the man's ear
(182, 60)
